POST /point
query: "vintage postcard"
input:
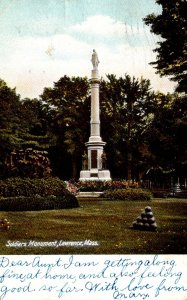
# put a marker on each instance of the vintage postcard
(93, 190)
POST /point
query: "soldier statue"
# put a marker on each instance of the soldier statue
(95, 60)
(104, 161)
(84, 161)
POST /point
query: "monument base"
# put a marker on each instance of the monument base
(95, 175)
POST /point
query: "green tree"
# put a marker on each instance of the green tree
(34, 119)
(23, 123)
(171, 25)
(9, 120)
(127, 106)
(9, 107)
(69, 112)
(166, 135)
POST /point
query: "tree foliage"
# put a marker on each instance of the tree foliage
(69, 117)
(143, 130)
(29, 163)
(171, 25)
(166, 135)
(9, 119)
(23, 124)
(126, 106)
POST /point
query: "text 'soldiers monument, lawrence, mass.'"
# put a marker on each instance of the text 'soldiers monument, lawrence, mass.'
(94, 161)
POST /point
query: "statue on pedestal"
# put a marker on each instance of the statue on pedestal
(95, 60)
(104, 161)
(84, 161)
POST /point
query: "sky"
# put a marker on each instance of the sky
(43, 40)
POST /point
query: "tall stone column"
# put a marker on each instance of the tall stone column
(95, 116)
(95, 170)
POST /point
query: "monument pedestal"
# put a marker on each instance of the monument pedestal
(95, 175)
(95, 165)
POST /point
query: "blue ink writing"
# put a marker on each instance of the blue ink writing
(4, 290)
(68, 289)
(162, 287)
(121, 277)
(107, 286)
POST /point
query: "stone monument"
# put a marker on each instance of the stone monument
(95, 166)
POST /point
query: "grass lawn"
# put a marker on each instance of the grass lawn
(107, 222)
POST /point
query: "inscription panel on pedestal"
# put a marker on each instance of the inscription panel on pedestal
(93, 159)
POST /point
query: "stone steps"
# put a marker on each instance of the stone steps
(89, 194)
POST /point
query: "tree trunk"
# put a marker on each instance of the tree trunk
(129, 166)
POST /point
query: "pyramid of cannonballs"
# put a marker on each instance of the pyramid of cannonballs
(4, 224)
(146, 221)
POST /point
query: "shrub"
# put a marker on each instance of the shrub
(160, 194)
(97, 186)
(13, 187)
(27, 163)
(38, 203)
(90, 186)
(128, 194)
